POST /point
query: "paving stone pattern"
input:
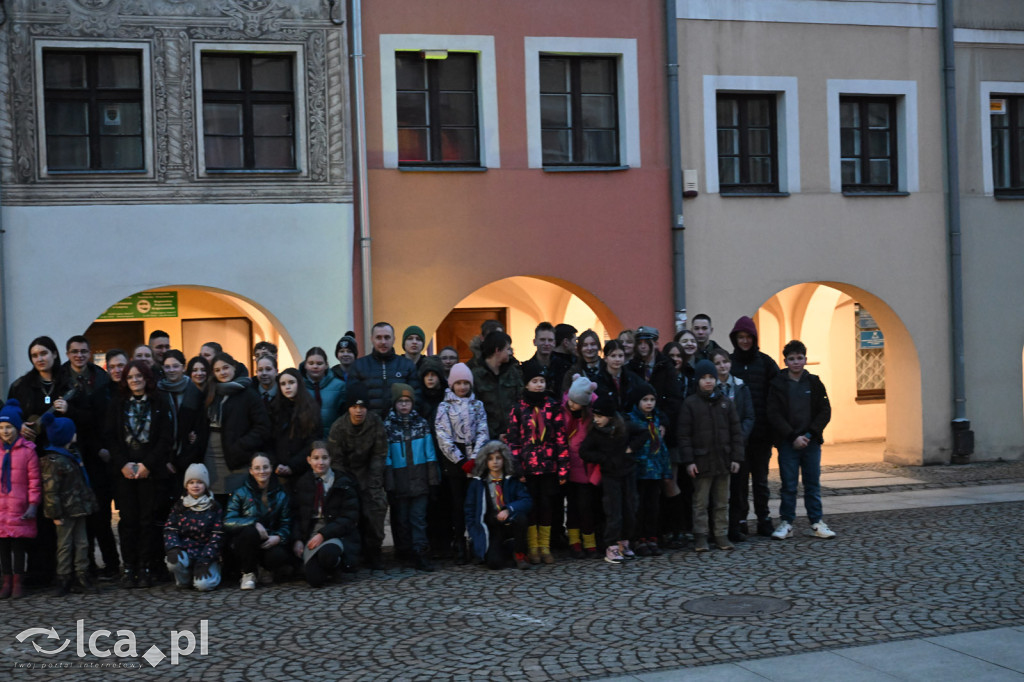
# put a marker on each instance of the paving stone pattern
(929, 477)
(888, 576)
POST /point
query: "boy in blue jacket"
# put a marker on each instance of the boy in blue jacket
(411, 469)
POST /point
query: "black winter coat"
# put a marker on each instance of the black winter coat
(190, 417)
(710, 434)
(604, 447)
(757, 370)
(778, 408)
(288, 449)
(665, 380)
(378, 372)
(157, 452)
(340, 512)
(244, 427)
(621, 394)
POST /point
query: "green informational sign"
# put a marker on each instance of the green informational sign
(146, 304)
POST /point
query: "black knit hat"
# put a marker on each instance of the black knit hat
(604, 406)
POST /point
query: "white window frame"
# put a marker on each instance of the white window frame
(907, 152)
(148, 123)
(298, 79)
(987, 89)
(787, 117)
(487, 90)
(628, 88)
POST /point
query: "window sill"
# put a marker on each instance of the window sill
(855, 193)
(90, 173)
(732, 195)
(870, 399)
(1009, 197)
(443, 169)
(583, 169)
(248, 172)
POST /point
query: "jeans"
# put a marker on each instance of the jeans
(72, 546)
(409, 516)
(182, 572)
(806, 464)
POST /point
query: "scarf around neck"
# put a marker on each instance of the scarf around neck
(197, 504)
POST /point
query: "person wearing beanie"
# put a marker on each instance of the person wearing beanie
(194, 534)
(346, 351)
(582, 491)
(607, 445)
(461, 429)
(413, 340)
(536, 439)
(357, 444)
(411, 470)
(21, 492)
(648, 429)
(711, 448)
(434, 385)
(67, 500)
(756, 370)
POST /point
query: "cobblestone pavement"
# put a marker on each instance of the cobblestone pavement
(888, 576)
(930, 477)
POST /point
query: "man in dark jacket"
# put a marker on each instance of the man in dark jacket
(757, 370)
(798, 411)
(382, 368)
(702, 330)
(541, 363)
(87, 408)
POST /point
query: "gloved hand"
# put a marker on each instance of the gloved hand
(201, 572)
(173, 556)
(30, 513)
(468, 464)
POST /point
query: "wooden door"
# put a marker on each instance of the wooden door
(462, 324)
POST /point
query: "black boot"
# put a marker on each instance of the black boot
(64, 583)
(130, 577)
(422, 563)
(145, 578)
(86, 582)
(374, 559)
(459, 551)
(765, 527)
(735, 534)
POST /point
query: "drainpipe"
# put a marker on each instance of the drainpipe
(675, 167)
(361, 182)
(963, 437)
(3, 310)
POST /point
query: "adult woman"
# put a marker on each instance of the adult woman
(239, 426)
(588, 359)
(198, 370)
(327, 389)
(295, 423)
(266, 377)
(144, 353)
(140, 437)
(614, 380)
(628, 340)
(188, 405)
(40, 389)
(258, 519)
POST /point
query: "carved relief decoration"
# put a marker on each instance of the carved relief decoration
(171, 28)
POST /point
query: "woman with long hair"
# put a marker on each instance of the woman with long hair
(295, 424)
(327, 389)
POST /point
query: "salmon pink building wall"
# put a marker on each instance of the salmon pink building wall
(439, 235)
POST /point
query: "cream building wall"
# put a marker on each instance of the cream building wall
(888, 253)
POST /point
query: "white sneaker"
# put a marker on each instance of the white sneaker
(248, 581)
(820, 530)
(785, 530)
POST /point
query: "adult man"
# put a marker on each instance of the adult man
(87, 408)
(757, 370)
(412, 344)
(540, 364)
(564, 355)
(263, 348)
(382, 368)
(497, 382)
(160, 342)
(701, 328)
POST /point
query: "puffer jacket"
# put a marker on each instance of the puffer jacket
(340, 512)
(377, 372)
(606, 446)
(517, 501)
(536, 437)
(576, 427)
(332, 398)
(621, 392)
(412, 463)
(460, 420)
(360, 450)
(498, 392)
(271, 507)
(26, 489)
(709, 434)
(757, 370)
(649, 446)
(778, 408)
(65, 491)
(200, 534)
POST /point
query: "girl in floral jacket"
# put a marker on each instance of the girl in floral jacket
(21, 492)
(194, 533)
(536, 437)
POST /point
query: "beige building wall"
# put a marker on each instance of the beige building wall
(888, 253)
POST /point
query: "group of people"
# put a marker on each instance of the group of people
(294, 471)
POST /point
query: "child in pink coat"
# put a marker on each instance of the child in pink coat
(21, 491)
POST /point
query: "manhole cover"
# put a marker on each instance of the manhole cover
(736, 605)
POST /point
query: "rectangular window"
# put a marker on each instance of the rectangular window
(579, 111)
(438, 121)
(868, 144)
(1007, 117)
(748, 158)
(248, 111)
(93, 110)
